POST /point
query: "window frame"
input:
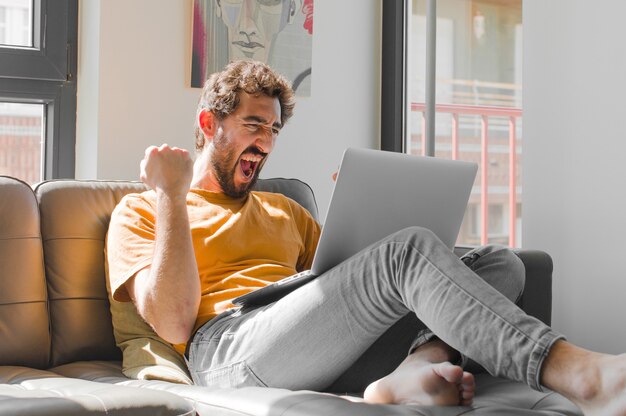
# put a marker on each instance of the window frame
(394, 96)
(46, 74)
(393, 121)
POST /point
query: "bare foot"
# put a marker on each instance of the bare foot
(595, 382)
(423, 382)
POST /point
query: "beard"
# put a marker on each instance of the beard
(225, 164)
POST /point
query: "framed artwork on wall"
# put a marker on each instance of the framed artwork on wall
(277, 32)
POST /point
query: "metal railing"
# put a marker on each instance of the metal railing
(484, 112)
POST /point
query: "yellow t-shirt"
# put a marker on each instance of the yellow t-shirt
(240, 245)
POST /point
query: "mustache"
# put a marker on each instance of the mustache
(254, 150)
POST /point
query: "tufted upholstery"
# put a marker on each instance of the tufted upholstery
(30, 392)
(23, 297)
(74, 253)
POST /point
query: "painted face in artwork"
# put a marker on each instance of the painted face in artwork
(253, 25)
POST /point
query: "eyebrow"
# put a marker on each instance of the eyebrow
(261, 120)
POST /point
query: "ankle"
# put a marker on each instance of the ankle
(572, 371)
(434, 351)
(586, 383)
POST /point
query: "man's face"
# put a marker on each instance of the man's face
(243, 141)
(253, 25)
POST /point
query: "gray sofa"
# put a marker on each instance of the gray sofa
(57, 351)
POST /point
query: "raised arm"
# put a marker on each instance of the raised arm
(167, 293)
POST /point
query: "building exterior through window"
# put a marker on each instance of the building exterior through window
(21, 141)
(478, 106)
(16, 23)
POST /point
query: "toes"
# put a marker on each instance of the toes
(449, 372)
(467, 381)
(467, 389)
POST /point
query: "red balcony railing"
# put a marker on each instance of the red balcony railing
(485, 113)
(21, 147)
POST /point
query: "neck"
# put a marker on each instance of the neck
(203, 175)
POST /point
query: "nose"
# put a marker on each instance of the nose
(265, 142)
(247, 13)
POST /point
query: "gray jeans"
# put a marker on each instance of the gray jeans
(307, 339)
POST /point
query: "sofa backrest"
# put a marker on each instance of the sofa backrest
(75, 217)
(24, 319)
(293, 188)
(74, 221)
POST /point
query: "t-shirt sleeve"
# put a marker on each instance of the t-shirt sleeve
(309, 231)
(130, 242)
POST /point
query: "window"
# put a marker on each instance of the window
(21, 138)
(38, 88)
(15, 23)
(460, 99)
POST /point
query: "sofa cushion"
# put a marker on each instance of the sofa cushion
(147, 357)
(24, 391)
(24, 320)
(495, 396)
(74, 221)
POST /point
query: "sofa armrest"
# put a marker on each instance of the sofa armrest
(536, 299)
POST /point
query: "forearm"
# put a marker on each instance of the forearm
(168, 295)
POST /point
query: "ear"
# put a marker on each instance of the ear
(207, 123)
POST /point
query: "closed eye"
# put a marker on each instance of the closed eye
(252, 126)
(255, 127)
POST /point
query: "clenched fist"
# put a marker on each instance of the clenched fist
(167, 169)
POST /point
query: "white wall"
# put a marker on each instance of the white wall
(133, 74)
(574, 161)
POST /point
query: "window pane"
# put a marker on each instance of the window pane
(478, 52)
(21, 141)
(16, 23)
(478, 105)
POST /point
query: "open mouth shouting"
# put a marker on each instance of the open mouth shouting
(249, 164)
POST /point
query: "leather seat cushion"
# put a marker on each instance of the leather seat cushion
(26, 391)
(495, 396)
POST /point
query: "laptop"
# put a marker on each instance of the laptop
(376, 194)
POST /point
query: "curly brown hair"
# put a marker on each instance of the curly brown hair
(220, 94)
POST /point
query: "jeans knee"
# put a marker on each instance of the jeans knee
(414, 232)
(500, 267)
(515, 273)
